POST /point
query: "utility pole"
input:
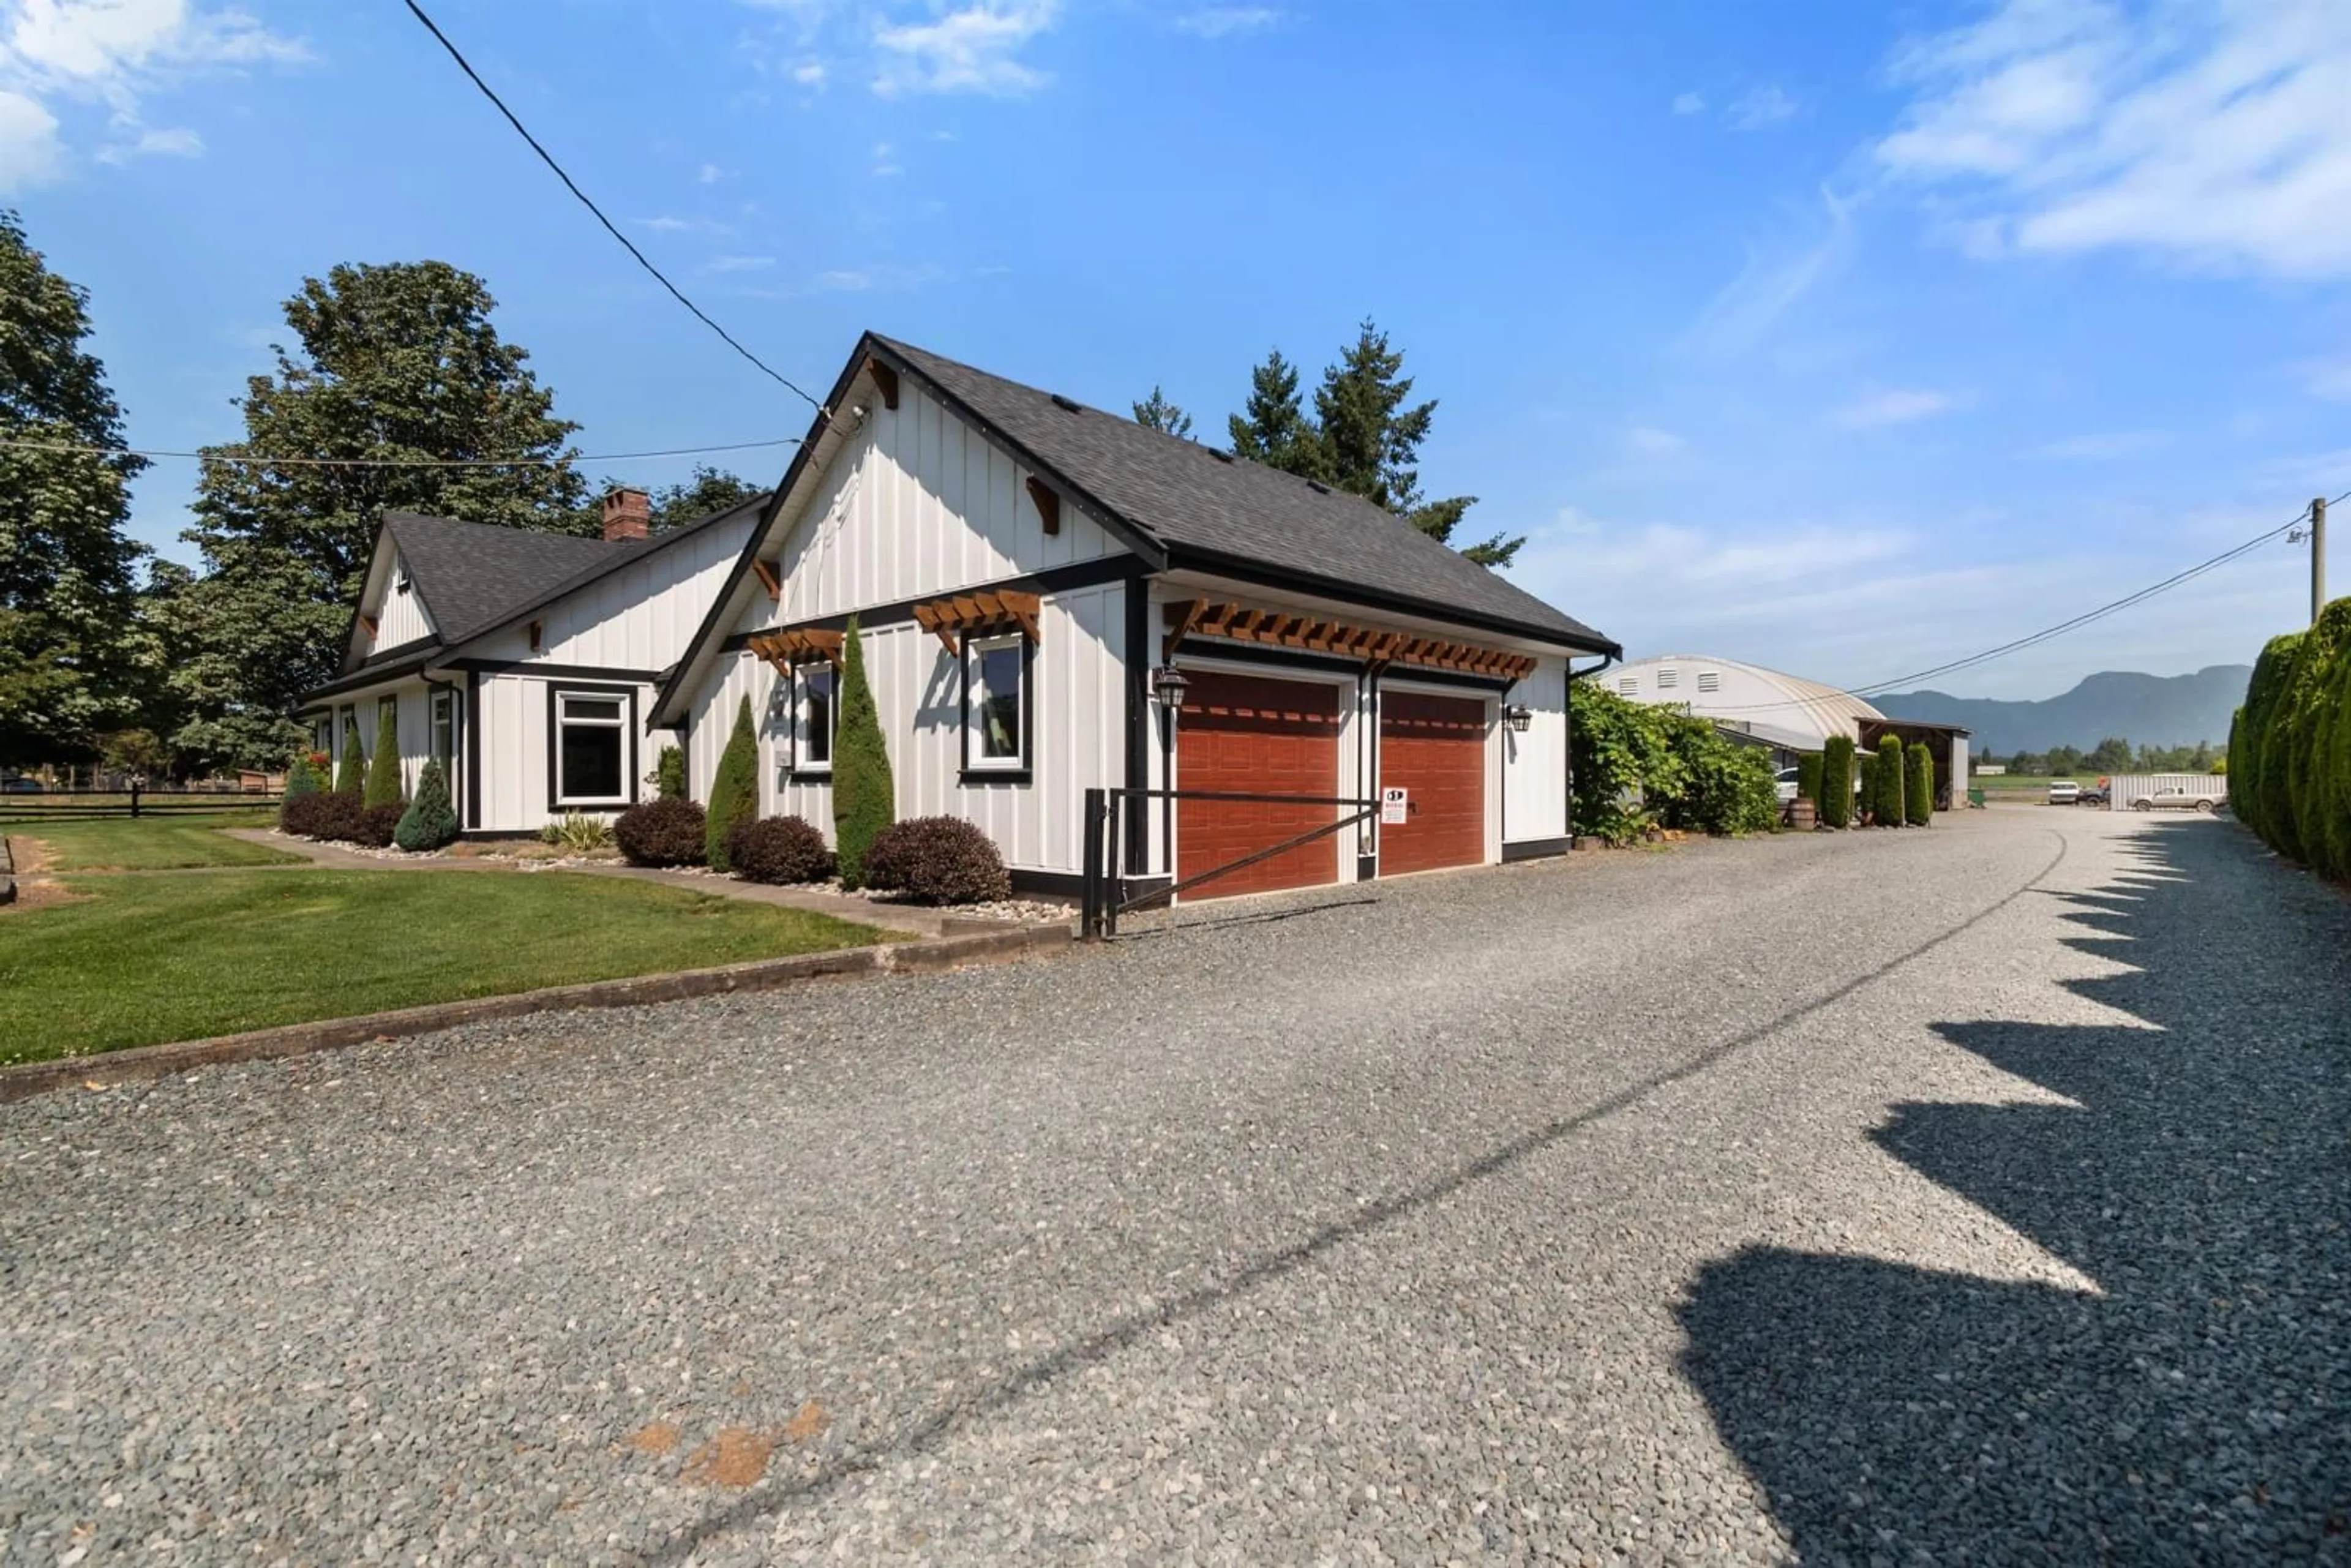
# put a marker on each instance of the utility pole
(2317, 557)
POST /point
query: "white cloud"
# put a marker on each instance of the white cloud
(1225, 21)
(2104, 446)
(739, 263)
(709, 175)
(2211, 135)
(1775, 277)
(113, 54)
(664, 223)
(1876, 410)
(810, 73)
(974, 49)
(1649, 441)
(885, 163)
(1758, 107)
(1689, 103)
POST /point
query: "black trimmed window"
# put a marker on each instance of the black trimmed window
(996, 706)
(816, 715)
(591, 748)
(445, 727)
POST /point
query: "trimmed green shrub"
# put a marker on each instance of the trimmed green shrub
(662, 832)
(2254, 791)
(669, 774)
(382, 786)
(303, 778)
(1836, 781)
(734, 792)
(1865, 799)
(350, 774)
(430, 821)
(1731, 791)
(936, 860)
(1888, 808)
(1808, 777)
(778, 849)
(864, 796)
(1919, 785)
(337, 817)
(2309, 729)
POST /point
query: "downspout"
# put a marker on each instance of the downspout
(1567, 725)
(462, 738)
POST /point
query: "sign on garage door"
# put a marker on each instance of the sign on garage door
(1434, 748)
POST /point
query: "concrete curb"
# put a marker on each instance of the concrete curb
(141, 1063)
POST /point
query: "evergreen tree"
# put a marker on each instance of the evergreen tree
(1155, 412)
(303, 780)
(350, 774)
(1888, 804)
(383, 783)
(1808, 777)
(865, 795)
(395, 361)
(1918, 787)
(1836, 781)
(669, 774)
(1864, 810)
(1274, 430)
(430, 821)
(66, 570)
(735, 790)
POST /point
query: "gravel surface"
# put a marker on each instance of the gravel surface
(1976, 1194)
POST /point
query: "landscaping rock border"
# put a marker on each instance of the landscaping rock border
(140, 1063)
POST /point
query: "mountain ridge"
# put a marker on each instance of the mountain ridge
(2146, 710)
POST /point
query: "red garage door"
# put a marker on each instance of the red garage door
(1266, 737)
(1434, 749)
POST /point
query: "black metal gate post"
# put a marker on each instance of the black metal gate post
(1113, 866)
(1089, 893)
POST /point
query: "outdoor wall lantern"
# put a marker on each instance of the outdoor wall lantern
(1168, 687)
(1518, 717)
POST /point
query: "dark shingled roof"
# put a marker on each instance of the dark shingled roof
(1198, 502)
(474, 575)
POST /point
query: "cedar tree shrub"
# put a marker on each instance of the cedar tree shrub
(662, 832)
(303, 777)
(2309, 734)
(1889, 782)
(1865, 799)
(1836, 781)
(430, 821)
(864, 796)
(351, 775)
(669, 774)
(1918, 787)
(1808, 777)
(778, 849)
(734, 792)
(382, 786)
(936, 860)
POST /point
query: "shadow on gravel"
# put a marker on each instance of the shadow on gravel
(2199, 1409)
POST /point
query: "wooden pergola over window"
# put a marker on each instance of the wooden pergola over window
(1311, 633)
(978, 614)
(785, 649)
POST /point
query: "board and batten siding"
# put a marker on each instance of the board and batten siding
(511, 728)
(1077, 731)
(401, 618)
(1534, 765)
(919, 503)
(639, 617)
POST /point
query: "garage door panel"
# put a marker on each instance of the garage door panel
(1434, 749)
(1255, 734)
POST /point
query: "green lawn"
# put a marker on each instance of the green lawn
(144, 960)
(150, 843)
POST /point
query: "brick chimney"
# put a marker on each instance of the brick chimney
(628, 515)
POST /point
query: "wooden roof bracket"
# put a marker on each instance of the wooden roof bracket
(885, 381)
(768, 578)
(1047, 501)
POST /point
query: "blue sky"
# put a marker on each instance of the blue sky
(1838, 340)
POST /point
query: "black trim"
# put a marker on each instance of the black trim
(1071, 886)
(981, 777)
(1139, 705)
(1367, 868)
(1268, 574)
(393, 665)
(1058, 579)
(1330, 663)
(981, 774)
(1536, 849)
(553, 671)
(556, 692)
(473, 811)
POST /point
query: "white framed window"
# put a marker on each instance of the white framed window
(591, 761)
(996, 714)
(816, 716)
(445, 727)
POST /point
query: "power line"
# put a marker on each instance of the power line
(2046, 633)
(219, 456)
(626, 243)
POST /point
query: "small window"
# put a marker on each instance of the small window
(445, 725)
(592, 745)
(814, 717)
(1710, 680)
(1668, 679)
(995, 705)
(1629, 686)
(401, 585)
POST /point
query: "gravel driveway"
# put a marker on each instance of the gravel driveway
(1974, 1194)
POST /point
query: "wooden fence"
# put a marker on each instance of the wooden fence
(25, 809)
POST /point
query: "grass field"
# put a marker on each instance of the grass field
(148, 843)
(136, 960)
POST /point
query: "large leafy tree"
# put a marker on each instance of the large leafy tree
(398, 366)
(1364, 436)
(67, 568)
(710, 490)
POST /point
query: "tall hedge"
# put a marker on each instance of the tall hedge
(350, 774)
(1919, 785)
(2252, 791)
(1889, 782)
(2289, 745)
(734, 792)
(383, 784)
(1808, 777)
(1864, 799)
(2312, 699)
(1836, 781)
(864, 796)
